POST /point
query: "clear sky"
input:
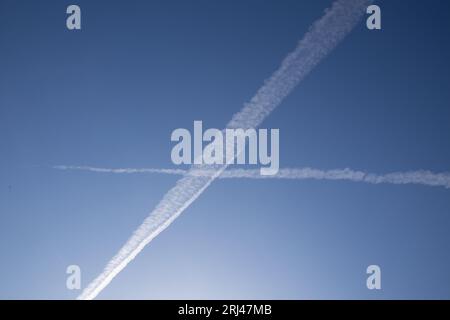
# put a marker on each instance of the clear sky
(111, 94)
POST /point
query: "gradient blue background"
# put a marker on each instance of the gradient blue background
(111, 94)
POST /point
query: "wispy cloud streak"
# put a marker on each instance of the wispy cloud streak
(421, 177)
(317, 43)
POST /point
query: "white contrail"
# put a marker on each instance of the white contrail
(123, 170)
(321, 39)
(421, 177)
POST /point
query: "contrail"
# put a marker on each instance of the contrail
(421, 177)
(180, 172)
(322, 37)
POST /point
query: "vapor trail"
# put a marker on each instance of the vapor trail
(421, 177)
(321, 39)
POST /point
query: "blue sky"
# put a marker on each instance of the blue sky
(111, 94)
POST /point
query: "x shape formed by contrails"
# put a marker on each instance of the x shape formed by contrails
(323, 36)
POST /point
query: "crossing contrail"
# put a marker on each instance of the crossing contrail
(421, 177)
(322, 37)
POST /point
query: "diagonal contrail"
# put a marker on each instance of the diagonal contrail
(421, 177)
(321, 39)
